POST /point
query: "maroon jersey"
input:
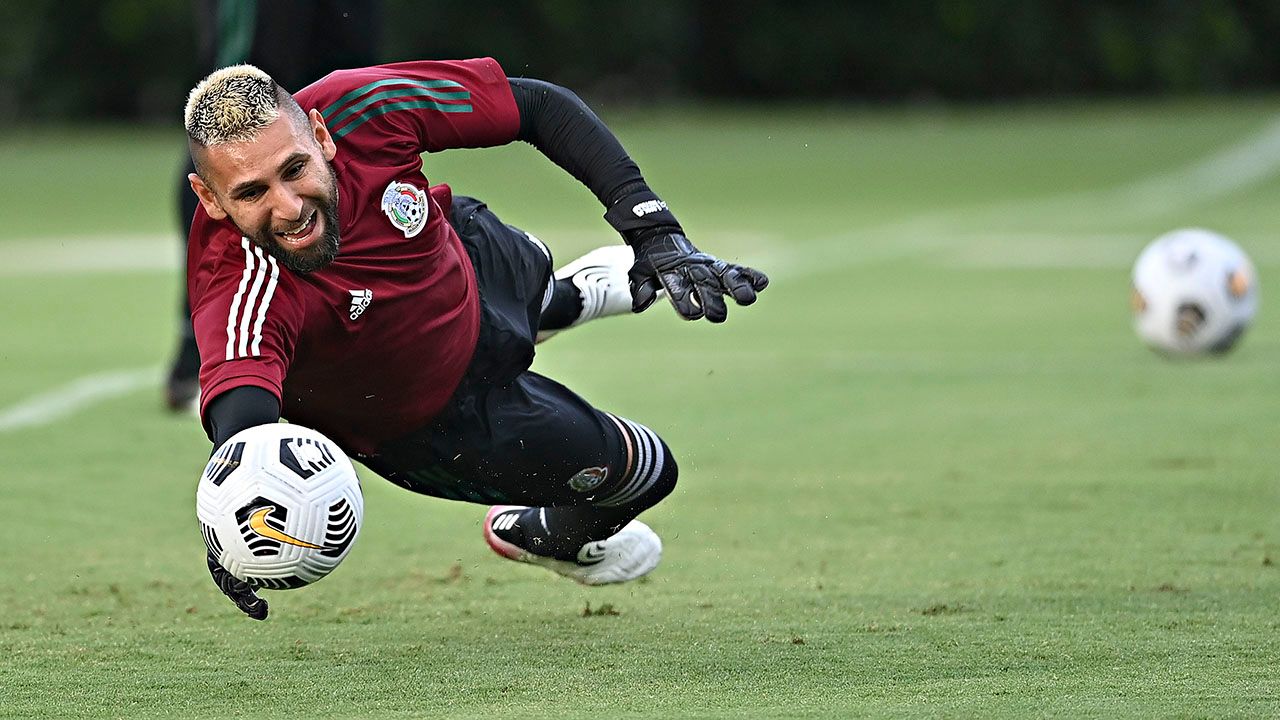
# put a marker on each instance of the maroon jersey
(370, 347)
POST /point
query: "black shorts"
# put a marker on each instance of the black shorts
(509, 435)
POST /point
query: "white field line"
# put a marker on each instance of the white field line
(1247, 163)
(89, 254)
(1250, 161)
(1066, 230)
(75, 396)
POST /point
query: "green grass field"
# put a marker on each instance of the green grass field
(931, 474)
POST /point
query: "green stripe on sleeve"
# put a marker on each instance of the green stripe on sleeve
(392, 107)
(405, 93)
(429, 84)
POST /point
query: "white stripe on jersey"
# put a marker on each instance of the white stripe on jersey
(246, 315)
(234, 313)
(256, 348)
(240, 318)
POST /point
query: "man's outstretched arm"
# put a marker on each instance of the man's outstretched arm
(238, 409)
(563, 128)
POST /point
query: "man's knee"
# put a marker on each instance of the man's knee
(650, 471)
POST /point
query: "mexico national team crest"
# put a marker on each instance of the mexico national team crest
(406, 207)
(588, 479)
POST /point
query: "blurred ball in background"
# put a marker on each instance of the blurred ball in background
(1195, 292)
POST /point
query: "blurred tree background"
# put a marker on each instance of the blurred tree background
(134, 59)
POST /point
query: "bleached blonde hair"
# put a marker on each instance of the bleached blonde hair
(233, 104)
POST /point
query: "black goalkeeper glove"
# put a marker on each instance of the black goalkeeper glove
(238, 590)
(696, 282)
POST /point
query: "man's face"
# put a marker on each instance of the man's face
(279, 189)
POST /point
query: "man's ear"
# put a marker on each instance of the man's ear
(206, 197)
(327, 147)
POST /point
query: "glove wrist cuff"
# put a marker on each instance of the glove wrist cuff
(640, 211)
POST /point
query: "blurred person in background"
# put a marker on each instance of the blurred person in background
(296, 42)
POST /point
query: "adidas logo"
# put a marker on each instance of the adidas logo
(360, 300)
(506, 521)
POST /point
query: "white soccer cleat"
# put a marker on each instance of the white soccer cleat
(626, 555)
(601, 279)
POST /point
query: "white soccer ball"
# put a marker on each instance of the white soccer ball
(1194, 292)
(279, 506)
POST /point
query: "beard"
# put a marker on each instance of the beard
(320, 253)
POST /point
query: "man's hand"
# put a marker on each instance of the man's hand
(695, 281)
(238, 590)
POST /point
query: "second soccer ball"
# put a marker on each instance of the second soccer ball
(1194, 292)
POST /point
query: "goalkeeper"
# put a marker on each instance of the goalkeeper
(330, 283)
